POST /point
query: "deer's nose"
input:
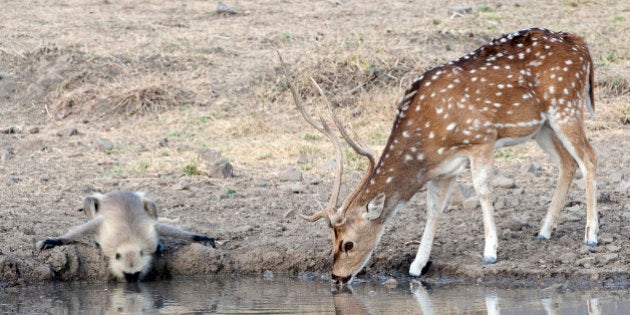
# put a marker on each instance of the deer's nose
(340, 280)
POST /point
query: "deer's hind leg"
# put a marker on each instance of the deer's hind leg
(570, 132)
(549, 142)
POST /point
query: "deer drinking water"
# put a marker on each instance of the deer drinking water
(530, 84)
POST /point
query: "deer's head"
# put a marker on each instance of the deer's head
(359, 222)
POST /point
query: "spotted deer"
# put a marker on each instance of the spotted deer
(532, 83)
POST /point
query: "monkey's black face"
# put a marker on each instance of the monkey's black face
(132, 277)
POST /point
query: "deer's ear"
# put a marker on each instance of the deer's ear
(375, 207)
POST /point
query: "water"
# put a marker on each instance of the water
(286, 296)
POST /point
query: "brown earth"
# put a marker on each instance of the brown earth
(105, 95)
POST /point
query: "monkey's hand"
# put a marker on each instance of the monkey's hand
(51, 243)
(204, 240)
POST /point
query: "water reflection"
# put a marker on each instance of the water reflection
(285, 296)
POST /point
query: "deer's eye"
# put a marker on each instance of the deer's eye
(348, 246)
(117, 256)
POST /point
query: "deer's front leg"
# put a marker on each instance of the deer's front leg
(438, 191)
(481, 165)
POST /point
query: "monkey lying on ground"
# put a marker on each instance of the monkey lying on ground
(126, 229)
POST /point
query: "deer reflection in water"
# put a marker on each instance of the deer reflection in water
(347, 301)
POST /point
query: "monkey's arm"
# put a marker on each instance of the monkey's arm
(175, 232)
(72, 235)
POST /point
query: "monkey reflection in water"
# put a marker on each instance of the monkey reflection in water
(126, 228)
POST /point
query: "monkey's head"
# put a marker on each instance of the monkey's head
(131, 261)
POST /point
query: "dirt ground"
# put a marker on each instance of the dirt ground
(140, 95)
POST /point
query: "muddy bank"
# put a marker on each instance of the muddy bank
(138, 97)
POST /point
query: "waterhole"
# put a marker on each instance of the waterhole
(212, 295)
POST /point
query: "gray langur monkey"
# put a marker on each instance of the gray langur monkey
(126, 229)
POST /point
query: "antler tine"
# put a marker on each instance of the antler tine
(357, 147)
(324, 128)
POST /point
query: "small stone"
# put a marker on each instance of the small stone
(291, 175)
(163, 142)
(391, 283)
(315, 181)
(214, 165)
(34, 130)
(44, 177)
(503, 182)
(531, 168)
(68, 132)
(295, 188)
(460, 10)
(507, 234)
(11, 130)
(268, 274)
(303, 159)
(183, 184)
(613, 248)
(105, 145)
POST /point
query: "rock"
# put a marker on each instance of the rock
(34, 130)
(471, 203)
(105, 145)
(605, 239)
(224, 9)
(163, 142)
(605, 259)
(291, 175)
(11, 130)
(214, 165)
(586, 262)
(565, 241)
(68, 132)
(6, 155)
(567, 258)
(503, 182)
(616, 177)
(531, 168)
(303, 159)
(462, 192)
(624, 187)
(501, 203)
(260, 182)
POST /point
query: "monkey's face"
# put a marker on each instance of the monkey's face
(131, 262)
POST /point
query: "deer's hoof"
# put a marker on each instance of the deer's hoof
(488, 260)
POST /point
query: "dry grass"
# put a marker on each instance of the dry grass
(180, 68)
